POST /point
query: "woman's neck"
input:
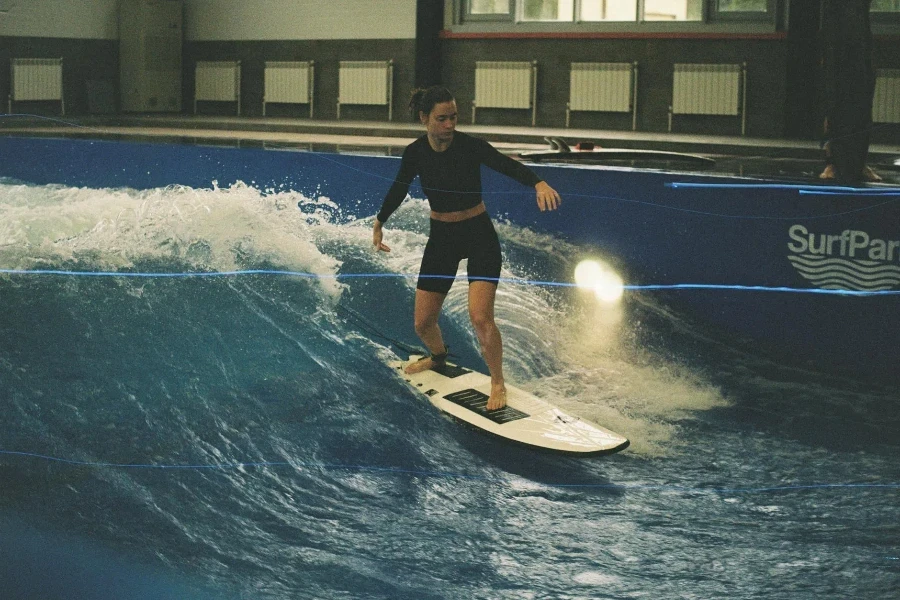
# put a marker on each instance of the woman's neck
(439, 145)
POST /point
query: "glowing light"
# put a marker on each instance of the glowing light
(601, 279)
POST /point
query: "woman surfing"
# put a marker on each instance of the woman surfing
(448, 164)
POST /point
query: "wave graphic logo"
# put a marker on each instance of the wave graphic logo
(852, 260)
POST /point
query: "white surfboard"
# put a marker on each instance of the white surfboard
(526, 419)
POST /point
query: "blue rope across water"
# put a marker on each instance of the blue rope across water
(511, 280)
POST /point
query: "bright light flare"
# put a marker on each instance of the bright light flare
(606, 284)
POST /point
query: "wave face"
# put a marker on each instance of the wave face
(240, 436)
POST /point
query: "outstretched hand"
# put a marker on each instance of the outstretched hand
(547, 197)
(377, 236)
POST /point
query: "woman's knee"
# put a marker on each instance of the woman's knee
(424, 323)
(483, 322)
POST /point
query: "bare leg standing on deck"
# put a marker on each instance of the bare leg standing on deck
(481, 311)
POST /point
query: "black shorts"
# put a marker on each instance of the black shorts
(449, 243)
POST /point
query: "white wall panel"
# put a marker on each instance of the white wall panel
(242, 20)
(74, 19)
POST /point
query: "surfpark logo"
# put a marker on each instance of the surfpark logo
(849, 260)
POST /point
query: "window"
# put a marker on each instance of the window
(673, 10)
(548, 10)
(885, 6)
(742, 10)
(724, 6)
(613, 10)
(489, 7)
(608, 10)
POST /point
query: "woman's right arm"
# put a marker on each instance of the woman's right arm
(395, 196)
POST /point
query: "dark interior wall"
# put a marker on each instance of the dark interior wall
(90, 73)
(783, 101)
(805, 102)
(326, 55)
(765, 58)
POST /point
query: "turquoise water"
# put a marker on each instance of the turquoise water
(240, 436)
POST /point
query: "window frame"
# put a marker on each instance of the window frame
(466, 24)
(464, 20)
(772, 20)
(517, 9)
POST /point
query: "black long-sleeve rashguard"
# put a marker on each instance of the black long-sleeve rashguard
(451, 179)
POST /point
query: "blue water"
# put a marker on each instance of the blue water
(240, 436)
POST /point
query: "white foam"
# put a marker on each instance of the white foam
(596, 578)
(220, 229)
(564, 346)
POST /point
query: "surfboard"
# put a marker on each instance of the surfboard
(526, 419)
(587, 152)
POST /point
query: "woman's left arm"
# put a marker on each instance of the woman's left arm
(547, 197)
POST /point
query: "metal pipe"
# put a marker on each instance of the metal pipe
(744, 99)
(311, 87)
(634, 99)
(390, 85)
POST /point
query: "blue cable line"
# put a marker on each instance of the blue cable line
(388, 470)
(800, 188)
(861, 192)
(510, 280)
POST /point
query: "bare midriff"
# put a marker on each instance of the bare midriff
(459, 215)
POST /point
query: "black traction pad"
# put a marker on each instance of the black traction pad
(450, 371)
(477, 403)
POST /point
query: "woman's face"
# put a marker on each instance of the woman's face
(441, 121)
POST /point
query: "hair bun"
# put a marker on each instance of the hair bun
(424, 99)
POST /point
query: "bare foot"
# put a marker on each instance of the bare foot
(423, 364)
(498, 397)
(869, 174)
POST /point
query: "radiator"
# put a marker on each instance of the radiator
(218, 81)
(503, 84)
(886, 104)
(36, 79)
(703, 89)
(288, 83)
(603, 87)
(366, 82)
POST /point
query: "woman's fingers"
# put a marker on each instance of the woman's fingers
(547, 197)
(377, 236)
